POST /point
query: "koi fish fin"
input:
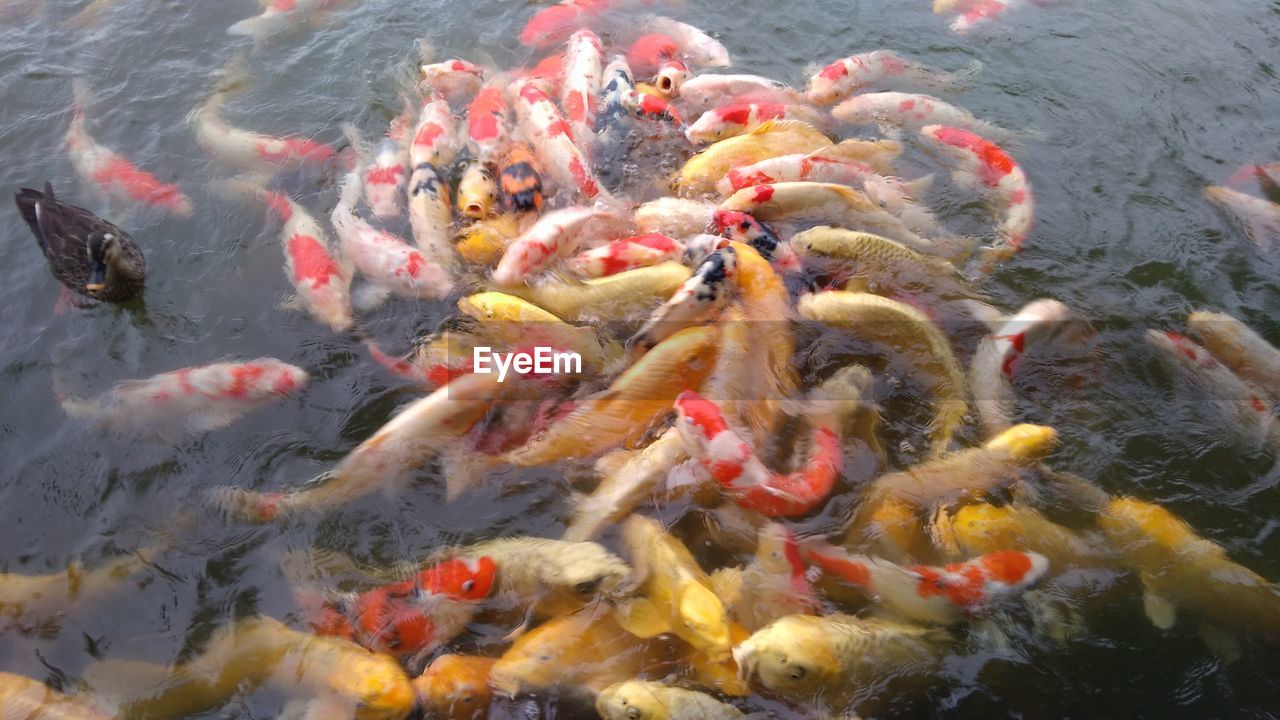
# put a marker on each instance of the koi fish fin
(1220, 642)
(780, 124)
(213, 418)
(726, 583)
(462, 471)
(640, 617)
(369, 297)
(328, 706)
(1160, 610)
(984, 313)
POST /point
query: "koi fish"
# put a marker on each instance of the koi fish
(971, 13)
(1259, 219)
(981, 528)
(1180, 570)
(695, 46)
(195, 399)
(413, 616)
(387, 170)
(777, 137)
(646, 700)
(455, 687)
(623, 412)
(626, 254)
(630, 476)
(732, 463)
(1245, 408)
(910, 111)
(22, 697)
(435, 137)
(648, 53)
(487, 123)
(826, 165)
(553, 141)
(834, 657)
(27, 601)
(406, 441)
(703, 294)
(587, 650)
(742, 227)
(674, 217)
(613, 296)
(484, 241)
(553, 25)
(855, 73)
(709, 90)
(521, 181)
(986, 168)
(549, 577)
(322, 281)
(555, 235)
(430, 214)
(383, 258)
(455, 79)
(945, 595)
(1256, 361)
(511, 321)
(886, 267)
(997, 357)
(766, 303)
(279, 15)
(674, 595)
(247, 150)
(583, 68)
(349, 680)
(735, 119)
(477, 191)
(775, 584)
(114, 174)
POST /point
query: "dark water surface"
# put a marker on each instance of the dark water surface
(1136, 108)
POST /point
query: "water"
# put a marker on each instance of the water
(1137, 107)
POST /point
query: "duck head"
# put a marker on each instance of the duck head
(103, 249)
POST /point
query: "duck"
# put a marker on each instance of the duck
(87, 254)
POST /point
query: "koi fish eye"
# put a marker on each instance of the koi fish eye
(744, 226)
(468, 585)
(587, 587)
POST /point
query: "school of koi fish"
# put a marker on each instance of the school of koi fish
(772, 231)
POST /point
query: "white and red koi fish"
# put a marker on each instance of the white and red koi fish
(695, 46)
(910, 111)
(627, 254)
(247, 150)
(412, 616)
(1259, 219)
(1235, 345)
(487, 121)
(648, 53)
(1246, 409)
(555, 235)
(553, 25)
(732, 463)
(705, 293)
(278, 15)
(579, 91)
(322, 281)
(971, 13)
(729, 121)
(986, 168)
(386, 169)
(671, 77)
(455, 79)
(944, 595)
(194, 399)
(710, 90)
(386, 260)
(997, 357)
(800, 167)
(435, 138)
(552, 138)
(115, 175)
(856, 73)
(742, 227)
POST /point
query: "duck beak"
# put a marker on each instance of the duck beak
(97, 277)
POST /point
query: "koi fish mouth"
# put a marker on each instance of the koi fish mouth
(744, 656)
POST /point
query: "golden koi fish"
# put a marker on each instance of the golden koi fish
(776, 137)
(909, 331)
(620, 414)
(608, 298)
(22, 698)
(455, 687)
(642, 700)
(630, 476)
(675, 595)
